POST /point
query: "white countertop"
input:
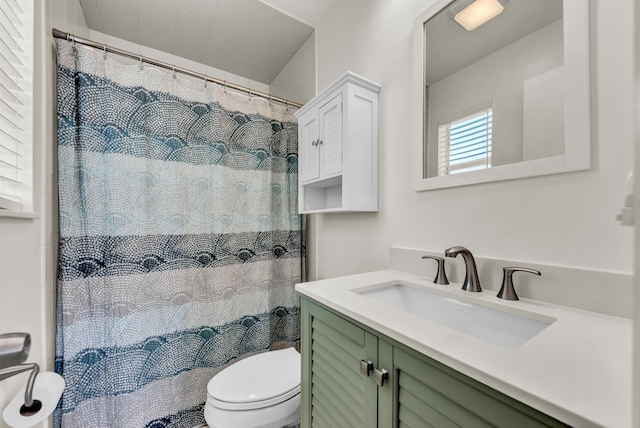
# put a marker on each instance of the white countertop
(578, 370)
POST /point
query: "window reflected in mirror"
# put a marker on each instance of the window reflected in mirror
(464, 144)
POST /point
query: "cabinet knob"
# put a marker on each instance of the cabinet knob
(366, 367)
(380, 376)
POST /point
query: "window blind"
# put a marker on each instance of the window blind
(465, 144)
(15, 83)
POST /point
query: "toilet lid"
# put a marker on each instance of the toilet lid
(258, 381)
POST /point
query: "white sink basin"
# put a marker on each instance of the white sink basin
(497, 326)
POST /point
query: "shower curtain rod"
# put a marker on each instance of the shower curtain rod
(71, 38)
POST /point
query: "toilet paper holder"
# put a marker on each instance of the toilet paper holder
(14, 350)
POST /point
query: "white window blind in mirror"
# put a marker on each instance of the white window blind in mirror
(16, 70)
(465, 143)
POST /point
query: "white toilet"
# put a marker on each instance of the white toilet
(261, 391)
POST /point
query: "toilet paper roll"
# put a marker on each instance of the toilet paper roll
(47, 389)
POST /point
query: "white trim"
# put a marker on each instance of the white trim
(19, 214)
(16, 188)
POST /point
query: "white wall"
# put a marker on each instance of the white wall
(566, 220)
(636, 366)
(297, 80)
(28, 246)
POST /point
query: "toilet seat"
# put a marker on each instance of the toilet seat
(250, 405)
(259, 381)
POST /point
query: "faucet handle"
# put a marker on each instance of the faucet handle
(507, 291)
(441, 276)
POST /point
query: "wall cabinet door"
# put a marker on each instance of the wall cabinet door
(321, 141)
(309, 134)
(330, 142)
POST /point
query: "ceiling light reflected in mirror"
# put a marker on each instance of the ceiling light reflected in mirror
(471, 14)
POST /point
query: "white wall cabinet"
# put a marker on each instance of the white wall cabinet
(338, 148)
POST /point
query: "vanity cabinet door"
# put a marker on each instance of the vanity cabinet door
(334, 391)
(429, 394)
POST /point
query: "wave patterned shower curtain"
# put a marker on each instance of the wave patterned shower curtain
(180, 242)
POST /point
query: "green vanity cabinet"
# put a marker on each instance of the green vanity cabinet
(340, 390)
(335, 394)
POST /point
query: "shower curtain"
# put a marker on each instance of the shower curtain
(180, 242)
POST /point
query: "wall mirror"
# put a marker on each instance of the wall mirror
(500, 94)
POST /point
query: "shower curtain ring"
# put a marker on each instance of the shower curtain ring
(141, 67)
(104, 49)
(174, 71)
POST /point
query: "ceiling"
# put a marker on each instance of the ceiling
(250, 38)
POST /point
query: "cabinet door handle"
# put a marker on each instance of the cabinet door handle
(320, 142)
(314, 143)
(366, 367)
(380, 376)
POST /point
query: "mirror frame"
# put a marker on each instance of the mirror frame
(577, 108)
